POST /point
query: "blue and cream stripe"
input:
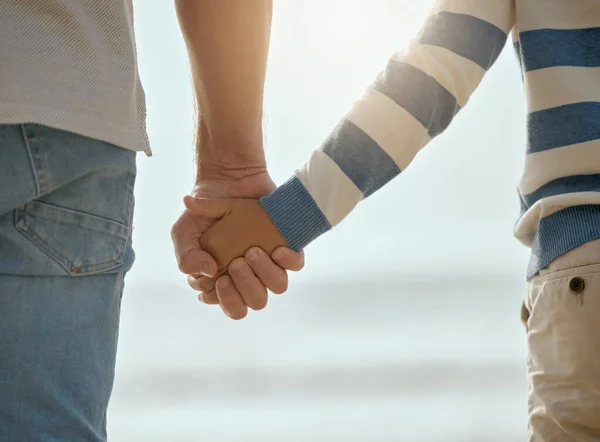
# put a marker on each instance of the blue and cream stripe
(413, 100)
(421, 90)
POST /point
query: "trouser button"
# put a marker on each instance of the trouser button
(577, 284)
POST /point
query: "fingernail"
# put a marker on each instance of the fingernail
(238, 264)
(207, 270)
(253, 255)
(196, 275)
(223, 282)
(189, 200)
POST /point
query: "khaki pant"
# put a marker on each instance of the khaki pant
(562, 316)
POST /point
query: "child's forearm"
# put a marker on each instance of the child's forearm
(413, 100)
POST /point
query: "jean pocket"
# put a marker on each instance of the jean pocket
(81, 243)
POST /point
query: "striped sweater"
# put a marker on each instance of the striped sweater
(421, 90)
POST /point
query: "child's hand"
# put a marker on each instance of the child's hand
(242, 224)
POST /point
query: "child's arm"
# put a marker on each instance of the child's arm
(413, 100)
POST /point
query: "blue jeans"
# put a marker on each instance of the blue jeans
(66, 204)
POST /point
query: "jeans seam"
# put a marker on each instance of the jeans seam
(38, 189)
(64, 262)
(131, 188)
(130, 203)
(107, 221)
(33, 237)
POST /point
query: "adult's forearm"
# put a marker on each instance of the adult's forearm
(227, 43)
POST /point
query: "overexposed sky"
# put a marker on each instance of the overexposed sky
(452, 210)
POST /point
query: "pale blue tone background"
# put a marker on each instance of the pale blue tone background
(404, 324)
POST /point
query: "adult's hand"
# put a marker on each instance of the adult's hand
(230, 158)
(248, 278)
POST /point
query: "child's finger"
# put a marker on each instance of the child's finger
(231, 301)
(288, 259)
(210, 208)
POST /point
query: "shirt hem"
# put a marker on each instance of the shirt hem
(86, 125)
(562, 232)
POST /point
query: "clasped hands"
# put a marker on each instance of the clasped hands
(229, 248)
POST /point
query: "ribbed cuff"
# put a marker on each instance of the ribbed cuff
(562, 232)
(295, 213)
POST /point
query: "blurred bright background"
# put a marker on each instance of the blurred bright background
(404, 324)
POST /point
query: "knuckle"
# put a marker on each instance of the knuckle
(207, 241)
(175, 227)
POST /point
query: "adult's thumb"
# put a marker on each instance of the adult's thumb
(208, 207)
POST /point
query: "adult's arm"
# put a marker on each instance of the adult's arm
(227, 43)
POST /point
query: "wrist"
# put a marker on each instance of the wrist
(251, 185)
(227, 168)
(228, 156)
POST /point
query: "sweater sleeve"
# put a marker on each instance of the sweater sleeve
(412, 100)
